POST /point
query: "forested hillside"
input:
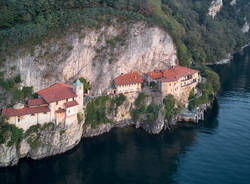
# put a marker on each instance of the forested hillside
(198, 37)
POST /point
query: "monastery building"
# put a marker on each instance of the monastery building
(127, 83)
(177, 80)
(58, 103)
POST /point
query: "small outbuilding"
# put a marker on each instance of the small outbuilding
(127, 83)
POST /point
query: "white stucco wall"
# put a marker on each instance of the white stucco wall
(180, 89)
(128, 88)
(72, 110)
(71, 115)
(54, 106)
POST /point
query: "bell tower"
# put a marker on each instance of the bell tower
(78, 89)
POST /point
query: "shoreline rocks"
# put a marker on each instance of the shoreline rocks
(51, 142)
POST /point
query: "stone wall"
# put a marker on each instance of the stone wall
(28, 120)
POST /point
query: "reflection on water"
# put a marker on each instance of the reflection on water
(124, 155)
(215, 151)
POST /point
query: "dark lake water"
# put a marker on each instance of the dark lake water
(217, 151)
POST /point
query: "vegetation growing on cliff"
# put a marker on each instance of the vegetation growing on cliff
(10, 86)
(171, 107)
(79, 117)
(152, 112)
(198, 37)
(141, 112)
(140, 107)
(86, 85)
(9, 133)
(96, 111)
(115, 102)
(209, 88)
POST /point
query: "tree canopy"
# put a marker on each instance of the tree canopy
(198, 37)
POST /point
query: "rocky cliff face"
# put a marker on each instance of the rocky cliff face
(123, 118)
(245, 27)
(97, 55)
(50, 142)
(215, 7)
(233, 2)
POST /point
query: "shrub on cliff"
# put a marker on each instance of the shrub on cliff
(191, 95)
(140, 107)
(16, 134)
(32, 129)
(34, 141)
(171, 107)
(8, 131)
(4, 133)
(79, 117)
(86, 85)
(140, 99)
(116, 102)
(214, 79)
(152, 112)
(142, 112)
(96, 111)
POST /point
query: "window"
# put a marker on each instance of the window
(45, 113)
(57, 103)
(32, 114)
(69, 111)
(73, 98)
(67, 100)
(18, 119)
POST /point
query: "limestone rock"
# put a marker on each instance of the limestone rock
(233, 2)
(154, 127)
(245, 27)
(58, 141)
(97, 55)
(215, 7)
(52, 142)
(8, 155)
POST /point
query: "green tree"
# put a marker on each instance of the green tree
(86, 84)
(169, 105)
(214, 79)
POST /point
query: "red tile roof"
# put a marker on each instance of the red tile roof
(36, 102)
(155, 74)
(60, 111)
(57, 92)
(24, 111)
(129, 78)
(179, 71)
(172, 74)
(71, 104)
